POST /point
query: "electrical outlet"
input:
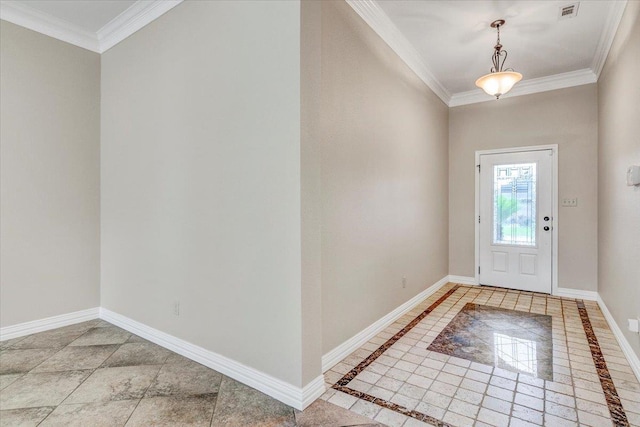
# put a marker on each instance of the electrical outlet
(404, 282)
(176, 308)
(633, 325)
(569, 202)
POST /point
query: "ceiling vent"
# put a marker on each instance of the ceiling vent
(568, 11)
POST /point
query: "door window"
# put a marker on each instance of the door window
(514, 204)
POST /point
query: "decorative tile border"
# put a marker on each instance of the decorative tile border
(391, 341)
(392, 406)
(614, 404)
(618, 416)
(341, 385)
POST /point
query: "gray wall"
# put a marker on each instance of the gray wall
(311, 186)
(619, 148)
(50, 176)
(201, 180)
(384, 178)
(566, 117)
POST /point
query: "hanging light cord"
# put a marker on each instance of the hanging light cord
(499, 56)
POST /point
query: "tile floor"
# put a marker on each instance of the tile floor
(558, 364)
(96, 374)
(451, 361)
(508, 339)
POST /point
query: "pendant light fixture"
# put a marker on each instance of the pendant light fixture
(500, 80)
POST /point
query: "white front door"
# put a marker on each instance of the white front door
(515, 232)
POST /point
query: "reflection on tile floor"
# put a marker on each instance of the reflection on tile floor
(94, 373)
(397, 380)
(514, 340)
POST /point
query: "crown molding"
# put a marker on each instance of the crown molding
(378, 20)
(608, 34)
(140, 14)
(143, 12)
(20, 14)
(527, 87)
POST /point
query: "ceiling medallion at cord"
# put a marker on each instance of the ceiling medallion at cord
(499, 81)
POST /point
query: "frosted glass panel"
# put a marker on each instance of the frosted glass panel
(514, 204)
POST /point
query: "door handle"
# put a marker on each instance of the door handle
(546, 228)
(546, 218)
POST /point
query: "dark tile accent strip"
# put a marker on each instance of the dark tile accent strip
(393, 406)
(618, 416)
(341, 385)
(391, 341)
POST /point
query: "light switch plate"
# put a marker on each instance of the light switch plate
(569, 202)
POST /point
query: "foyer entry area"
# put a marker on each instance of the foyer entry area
(452, 361)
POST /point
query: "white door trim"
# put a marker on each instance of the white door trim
(554, 198)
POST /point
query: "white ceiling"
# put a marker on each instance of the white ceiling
(456, 42)
(95, 25)
(447, 43)
(88, 15)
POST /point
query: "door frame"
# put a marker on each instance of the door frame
(554, 202)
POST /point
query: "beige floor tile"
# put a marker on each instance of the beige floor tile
(367, 409)
(239, 405)
(404, 401)
(101, 414)
(527, 414)
(449, 388)
(6, 380)
(44, 389)
(185, 379)
(493, 418)
(119, 383)
(138, 353)
(5, 344)
(102, 336)
(412, 422)
(390, 418)
(15, 361)
(74, 358)
(464, 408)
(23, 417)
(56, 338)
(498, 405)
(592, 420)
(469, 396)
(456, 419)
(173, 411)
(321, 414)
(554, 421)
(343, 400)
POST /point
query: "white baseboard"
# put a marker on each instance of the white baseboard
(334, 356)
(631, 356)
(296, 397)
(576, 293)
(291, 395)
(312, 391)
(41, 325)
(463, 280)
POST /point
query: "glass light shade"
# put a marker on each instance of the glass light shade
(497, 84)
